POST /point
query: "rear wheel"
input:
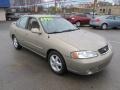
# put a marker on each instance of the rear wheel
(94, 27)
(57, 63)
(104, 26)
(9, 19)
(15, 43)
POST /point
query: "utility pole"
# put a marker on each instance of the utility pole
(63, 6)
(55, 6)
(94, 7)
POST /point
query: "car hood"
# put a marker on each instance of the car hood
(81, 39)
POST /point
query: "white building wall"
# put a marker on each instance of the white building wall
(2, 14)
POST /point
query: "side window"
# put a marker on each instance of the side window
(103, 10)
(117, 18)
(32, 23)
(111, 17)
(17, 23)
(22, 22)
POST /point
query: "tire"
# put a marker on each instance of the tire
(94, 27)
(9, 19)
(78, 24)
(104, 26)
(57, 63)
(16, 44)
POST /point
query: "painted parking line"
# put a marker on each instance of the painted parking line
(117, 42)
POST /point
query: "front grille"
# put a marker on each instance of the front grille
(103, 50)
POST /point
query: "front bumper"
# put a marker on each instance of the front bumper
(89, 66)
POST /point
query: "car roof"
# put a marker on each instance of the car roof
(39, 15)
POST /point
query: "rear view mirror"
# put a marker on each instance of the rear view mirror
(36, 30)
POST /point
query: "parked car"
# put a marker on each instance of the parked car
(78, 19)
(12, 16)
(91, 13)
(65, 15)
(91, 16)
(106, 22)
(65, 46)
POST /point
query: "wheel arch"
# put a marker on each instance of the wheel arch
(50, 50)
(105, 23)
(12, 36)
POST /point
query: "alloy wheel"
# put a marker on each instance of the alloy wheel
(55, 63)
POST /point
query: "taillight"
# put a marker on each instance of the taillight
(97, 20)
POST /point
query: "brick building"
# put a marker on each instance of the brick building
(113, 10)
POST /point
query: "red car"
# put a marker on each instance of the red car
(78, 19)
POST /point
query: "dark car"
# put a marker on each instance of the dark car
(12, 16)
(78, 19)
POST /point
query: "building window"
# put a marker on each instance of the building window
(100, 10)
(103, 10)
(109, 12)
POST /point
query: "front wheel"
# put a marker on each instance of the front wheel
(94, 27)
(57, 63)
(78, 24)
(15, 43)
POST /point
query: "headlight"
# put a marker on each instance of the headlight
(83, 54)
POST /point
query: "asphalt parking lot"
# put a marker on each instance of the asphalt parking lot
(24, 70)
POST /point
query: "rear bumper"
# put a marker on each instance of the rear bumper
(97, 24)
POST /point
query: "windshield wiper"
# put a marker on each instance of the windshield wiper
(69, 30)
(54, 32)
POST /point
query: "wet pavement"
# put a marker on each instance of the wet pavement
(24, 70)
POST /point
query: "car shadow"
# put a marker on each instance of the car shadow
(97, 28)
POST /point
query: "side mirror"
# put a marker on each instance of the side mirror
(36, 30)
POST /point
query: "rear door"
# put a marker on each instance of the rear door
(117, 18)
(111, 21)
(84, 19)
(21, 29)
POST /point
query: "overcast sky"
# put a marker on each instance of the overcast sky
(77, 2)
(91, 0)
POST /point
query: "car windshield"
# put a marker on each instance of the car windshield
(56, 25)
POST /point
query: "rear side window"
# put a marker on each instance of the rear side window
(22, 22)
(81, 15)
(111, 17)
(117, 18)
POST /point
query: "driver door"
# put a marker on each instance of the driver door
(34, 40)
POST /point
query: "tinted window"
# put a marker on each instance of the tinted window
(81, 15)
(22, 22)
(117, 18)
(110, 17)
(33, 23)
